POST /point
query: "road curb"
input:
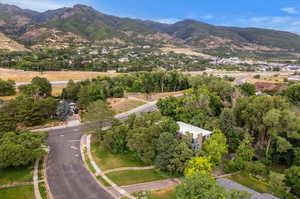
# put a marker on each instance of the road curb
(37, 192)
(49, 194)
(82, 146)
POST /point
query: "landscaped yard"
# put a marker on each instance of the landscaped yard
(24, 192)
(16, 175)
(107, 160)
(122, 178)
(250, 182)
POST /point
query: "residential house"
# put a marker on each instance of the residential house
(199, 134)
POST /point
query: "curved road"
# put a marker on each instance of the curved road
(67, 176)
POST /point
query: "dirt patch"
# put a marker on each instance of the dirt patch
(153, 96)
(186, 51)
(120, 105)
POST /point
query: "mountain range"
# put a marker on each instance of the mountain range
(84, 24)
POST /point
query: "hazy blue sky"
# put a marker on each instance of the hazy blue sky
(276, 14)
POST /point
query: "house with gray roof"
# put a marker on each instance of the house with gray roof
(199, 134)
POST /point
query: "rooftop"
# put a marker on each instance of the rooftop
(184, 128)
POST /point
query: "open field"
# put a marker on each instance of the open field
(106, 160)
(57, 89)
(120, 105)
(16, 175)
(24, 192)
(123, 178)
(27, 76)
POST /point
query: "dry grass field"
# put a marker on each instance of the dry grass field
(152, 97)
(120, 105)
(27, 76)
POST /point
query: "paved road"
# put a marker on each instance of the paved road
(67, 176)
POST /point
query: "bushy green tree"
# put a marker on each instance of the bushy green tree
(248, 89)
(20, 149)
(97, 116)
(115, 140)
(71, 91)
(182, 153)
(199, 186)
(215, 147)
(7, 88)
(39, 88)
(166, 145)
(293, 93)
(196, 165)
(292, 179)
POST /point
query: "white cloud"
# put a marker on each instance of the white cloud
(207, 17)
(39, 5)
(271, 19)
(168, 20)
(290, 10)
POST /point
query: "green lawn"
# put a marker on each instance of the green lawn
(250, 182)
(15, 175)
(103, 182)
(24, 192)
(107, 160)
(163, 194)
(257, 185)
(122, 178)
(43, 190)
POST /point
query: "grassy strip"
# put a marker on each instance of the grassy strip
(24, 192)
(88, 161)
(103, 182)
(259, 186)
(43, 190)
(250, 182)
(123, 178)
(16, 175)
(106, 160)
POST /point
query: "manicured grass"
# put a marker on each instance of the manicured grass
(43, 190)
(163, 194)
(16, 175)
(122, 178)
(103, 182)
(24, 192)
(107, 160)
(251, 182)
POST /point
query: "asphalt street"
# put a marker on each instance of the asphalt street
(67, 176)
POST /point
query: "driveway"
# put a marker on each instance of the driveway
(67, 176)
